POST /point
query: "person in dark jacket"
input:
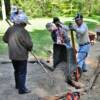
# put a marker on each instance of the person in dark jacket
(19, 44)
(63, 29)
(58, 34)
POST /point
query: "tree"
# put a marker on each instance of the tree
(3, 10)
(7, 7)
(42, 8)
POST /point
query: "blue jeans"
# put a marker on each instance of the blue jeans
(82, 55)
(20, 71)
(68, 45)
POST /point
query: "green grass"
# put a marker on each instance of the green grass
(41, 40)
(41, 43)
(91, 25)
(3, 46)
(96, 17)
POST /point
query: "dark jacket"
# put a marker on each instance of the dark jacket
(54, 36)
(19, 42)
(59, 31)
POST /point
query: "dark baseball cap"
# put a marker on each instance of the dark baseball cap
(78, 17)
(56, 19)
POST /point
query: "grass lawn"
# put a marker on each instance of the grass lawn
(91, 25)
(41, 43)
(3, 46)
(41, 40)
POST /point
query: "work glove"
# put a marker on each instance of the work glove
(58, 24)
(71, 27)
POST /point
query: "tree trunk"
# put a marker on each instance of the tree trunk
(3, 10)
(7, 7)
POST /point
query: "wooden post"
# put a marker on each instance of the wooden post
(3, 10)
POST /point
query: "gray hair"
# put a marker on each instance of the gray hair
(51, 26)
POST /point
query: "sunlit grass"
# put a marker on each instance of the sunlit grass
(3, 46)
(41, 40)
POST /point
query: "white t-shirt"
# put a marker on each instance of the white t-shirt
(82, 33)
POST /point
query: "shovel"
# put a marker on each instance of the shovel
(77, 70)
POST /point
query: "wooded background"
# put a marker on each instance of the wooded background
(50, 8)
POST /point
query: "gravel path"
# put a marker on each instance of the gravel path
(39, 82)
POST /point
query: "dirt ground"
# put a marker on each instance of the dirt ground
(92, 61)
(43, 85)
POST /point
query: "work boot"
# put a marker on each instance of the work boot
(84, 70)
(24, 91)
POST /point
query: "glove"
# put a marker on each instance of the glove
(58, 25)
(71, 27)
